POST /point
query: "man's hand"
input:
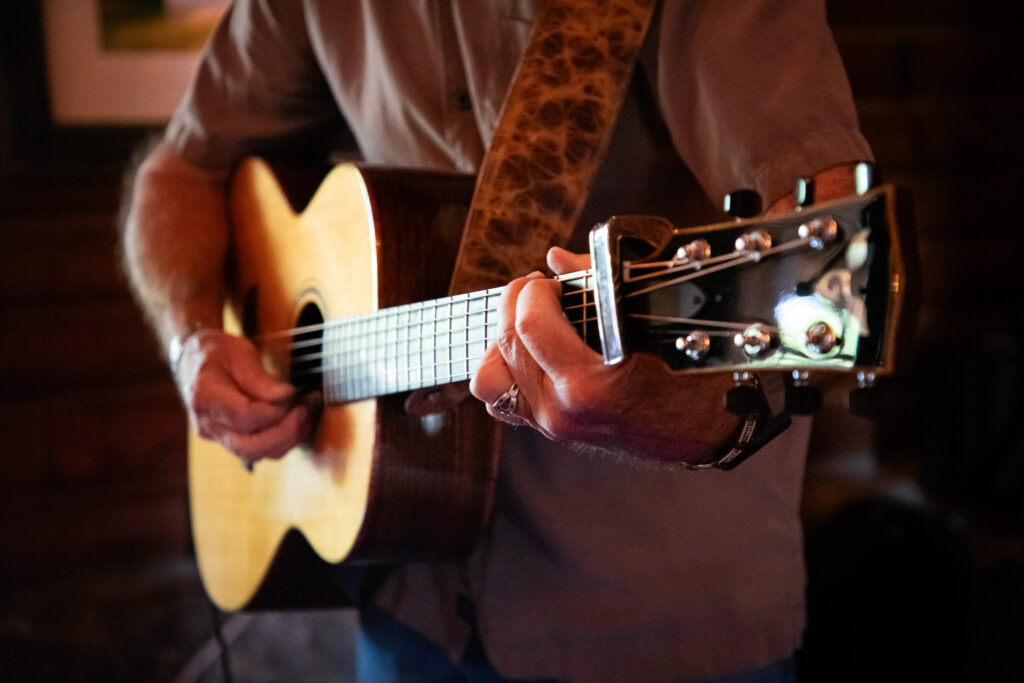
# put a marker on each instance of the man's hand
(568, 394)
(176, 238)
(231, 399)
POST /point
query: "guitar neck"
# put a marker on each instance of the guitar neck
(417, 345)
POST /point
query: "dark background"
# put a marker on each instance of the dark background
(914, 523)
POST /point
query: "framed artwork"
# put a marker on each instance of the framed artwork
(122, 62)
(86, 82)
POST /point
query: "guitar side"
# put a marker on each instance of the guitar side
(376, 483)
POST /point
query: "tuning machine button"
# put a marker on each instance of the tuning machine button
(819, 232)
(820, 338)
(801, 397)
(694, 252)
(695, 345)
(745, 396)
(804, 193)
(866, 400)
(865, 177)
(743, 203)
(756, 341)
(754, 244)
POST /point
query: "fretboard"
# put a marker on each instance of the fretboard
(424, 344)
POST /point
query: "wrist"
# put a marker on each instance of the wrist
(176, 345)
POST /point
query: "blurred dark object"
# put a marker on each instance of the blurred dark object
(972, 442)
(888, 595)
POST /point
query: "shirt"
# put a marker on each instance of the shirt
(593, 568)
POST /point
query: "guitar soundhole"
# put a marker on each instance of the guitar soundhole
(307, 350)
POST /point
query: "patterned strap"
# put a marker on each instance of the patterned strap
(552, 134)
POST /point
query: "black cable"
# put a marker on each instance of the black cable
(218, 634)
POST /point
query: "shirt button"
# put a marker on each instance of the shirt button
(463, 101)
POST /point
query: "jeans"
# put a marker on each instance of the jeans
(388, 652)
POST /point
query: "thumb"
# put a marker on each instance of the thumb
(563, 261)
(254, 380)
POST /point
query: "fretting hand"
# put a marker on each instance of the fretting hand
(566, 392)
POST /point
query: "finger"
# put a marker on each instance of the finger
(492, 378)
(563, 261)
(491, 381)
(547, 337)
(275, 441)
(252, 378)
(218, 403)
(524, 370)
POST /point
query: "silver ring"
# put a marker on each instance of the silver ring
(506, 403)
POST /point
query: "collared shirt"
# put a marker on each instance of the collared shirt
(593, 568)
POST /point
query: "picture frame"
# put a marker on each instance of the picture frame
(112, 62)
(36, 133)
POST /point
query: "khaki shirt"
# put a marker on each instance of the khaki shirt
(594, 568)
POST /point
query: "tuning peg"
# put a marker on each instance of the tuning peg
(801, 397)
(744, 397)
(742, 203)
(695, 345)
(865, 177)
(804, 192)
(867, 399)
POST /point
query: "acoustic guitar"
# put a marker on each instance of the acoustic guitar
(345, 296)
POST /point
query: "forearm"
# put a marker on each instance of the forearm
(175, 240)
(681, 419)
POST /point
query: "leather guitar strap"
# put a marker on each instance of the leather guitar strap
(552, 134)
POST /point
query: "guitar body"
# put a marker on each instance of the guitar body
(377, 483)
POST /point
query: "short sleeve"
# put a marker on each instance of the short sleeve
(754, 93)
(258, 89)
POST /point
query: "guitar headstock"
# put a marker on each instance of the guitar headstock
(821, 289)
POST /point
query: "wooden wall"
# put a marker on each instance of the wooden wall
(92, 458)
(92, 463)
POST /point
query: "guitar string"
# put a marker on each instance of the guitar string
(737, 259)
(374, 335)
(389, 328)
(733, 259)
(436, 304)
(411, 353)
(371, 382)
(434, 350)
(740, 258)
(419, 369)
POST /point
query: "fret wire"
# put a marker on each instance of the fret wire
(487, 309)
(466, 336)
(408, 344)
(344, 343)
(585, 304)
(382, 350)
(469, 359)
(337, 385)
(435, 348)
(450, 368)
(361, 327)
(581, 322)
(285, 335)
(360, 351)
